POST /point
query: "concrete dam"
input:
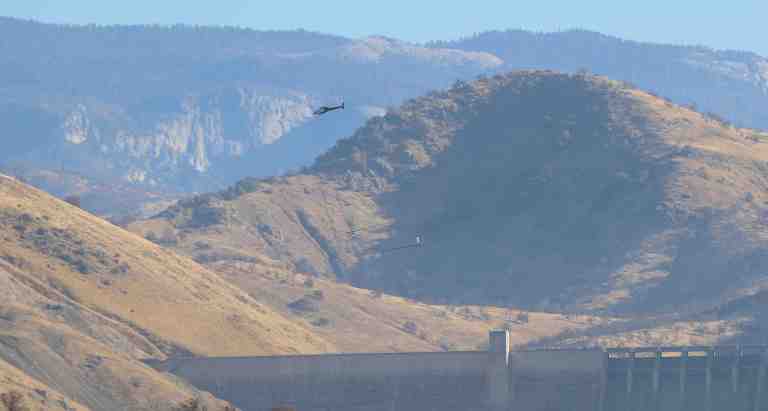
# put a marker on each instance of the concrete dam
(628, 379)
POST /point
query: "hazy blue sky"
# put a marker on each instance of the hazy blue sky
(735, 24)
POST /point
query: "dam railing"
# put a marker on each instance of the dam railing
(706, 378)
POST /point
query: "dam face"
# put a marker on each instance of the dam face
(640, 379)
(686, 379)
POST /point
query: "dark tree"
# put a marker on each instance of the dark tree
(410, 327)
(196, 404)
(151, 236)
(74, 200)
(317, 295)
(192, 404)
(522, 317)
(13, 401)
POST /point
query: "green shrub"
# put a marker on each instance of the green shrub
(73, 200)
(304, 305)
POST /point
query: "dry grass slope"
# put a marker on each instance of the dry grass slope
(34, 395)
(82, 301)
(360, 320)
(136, 282)
(275, 221)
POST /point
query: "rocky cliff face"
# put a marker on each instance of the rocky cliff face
(205, 132)
(745, 67)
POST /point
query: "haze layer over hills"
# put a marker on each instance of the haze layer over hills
(180, 109)
(189, 107)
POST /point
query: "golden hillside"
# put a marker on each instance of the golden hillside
(82, 301)
(33, 394)
(360, 320)
(112, 200)
(353, 319)
(540, 190)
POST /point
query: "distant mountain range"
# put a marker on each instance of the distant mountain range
(192, 108)
(183, 109)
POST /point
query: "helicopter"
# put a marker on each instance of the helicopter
(324, 109)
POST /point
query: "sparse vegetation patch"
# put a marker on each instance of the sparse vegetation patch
(62, 244)
(304, 305)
